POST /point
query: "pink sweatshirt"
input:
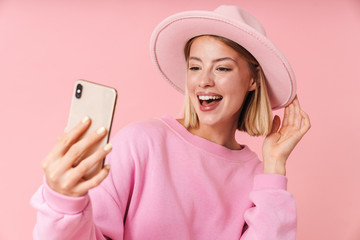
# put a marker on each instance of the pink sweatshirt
(166, 183)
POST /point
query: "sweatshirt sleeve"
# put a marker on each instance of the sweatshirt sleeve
(63, 217)
(273, 216)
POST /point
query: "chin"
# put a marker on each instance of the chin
(216, 118)
(209, 120)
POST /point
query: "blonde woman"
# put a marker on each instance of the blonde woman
(188, 178)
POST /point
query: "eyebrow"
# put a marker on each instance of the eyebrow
(215, 60)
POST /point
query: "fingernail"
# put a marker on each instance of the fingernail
(85, 119)
(107, 166)
(108, 147)
(100, 130)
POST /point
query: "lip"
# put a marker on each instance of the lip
(210, 107)
(207, 94)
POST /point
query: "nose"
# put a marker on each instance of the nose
(206, 79)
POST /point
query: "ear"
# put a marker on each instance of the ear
(254, 81)
(253, 85)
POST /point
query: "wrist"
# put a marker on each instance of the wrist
(62, 203)
(275, 167)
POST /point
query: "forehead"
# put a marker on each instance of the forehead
(213, 48)
(209, 42)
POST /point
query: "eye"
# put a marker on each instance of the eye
(224, 69)
(194, 68)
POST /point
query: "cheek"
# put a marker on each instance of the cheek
(236, 90)
(190, 87)
(233, 86)
(190, 83)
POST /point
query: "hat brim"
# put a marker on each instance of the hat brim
(169, 38)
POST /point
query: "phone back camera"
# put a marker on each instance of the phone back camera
(78, 91)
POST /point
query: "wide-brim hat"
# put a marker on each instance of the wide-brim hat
(170, 36)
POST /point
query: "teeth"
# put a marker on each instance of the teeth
(205, 98)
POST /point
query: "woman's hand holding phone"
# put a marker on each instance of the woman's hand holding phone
(61, 174)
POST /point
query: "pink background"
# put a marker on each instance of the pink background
(46, 45)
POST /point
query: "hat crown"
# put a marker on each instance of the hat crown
(240, 15)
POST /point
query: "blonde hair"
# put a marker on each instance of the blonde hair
(256, 113)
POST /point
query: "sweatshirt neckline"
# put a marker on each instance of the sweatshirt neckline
(206, 145)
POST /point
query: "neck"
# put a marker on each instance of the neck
(222, 134)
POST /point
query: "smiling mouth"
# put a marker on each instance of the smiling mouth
(206, 100)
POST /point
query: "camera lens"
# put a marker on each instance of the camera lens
(78, 91)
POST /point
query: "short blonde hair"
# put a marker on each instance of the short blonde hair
(256, 113)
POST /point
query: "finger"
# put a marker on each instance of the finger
(83, 146)
(285, 121)
(68, 138)
(306, 123)
(92, 161)
(275, 124)
(83, 187)
(297, 113)
(291, 114)
(65, 141)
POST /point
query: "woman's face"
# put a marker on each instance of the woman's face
(218, 79)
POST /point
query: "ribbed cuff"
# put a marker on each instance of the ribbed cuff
(64, 204)
(270, 181)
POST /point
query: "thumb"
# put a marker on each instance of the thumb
(275, 124)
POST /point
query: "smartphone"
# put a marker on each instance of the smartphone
(98, 103)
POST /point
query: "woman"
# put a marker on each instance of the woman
(188, 178)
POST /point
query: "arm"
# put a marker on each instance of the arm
(92, 216)
(99, 212)
(63, 217)
(63, 204)
(273, 216)
(274, 213)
